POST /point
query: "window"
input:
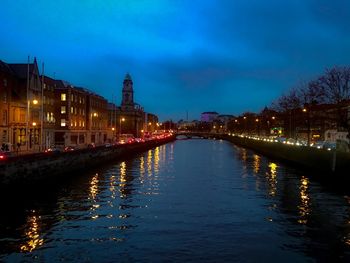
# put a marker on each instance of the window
(48, 116)
(51, 117)
(75, 123)
(63, 97)
(83, 124)
(79, 123)
(72, 98)
(4, 98)
(63, 109)
(80, 100)
(5, 82)
(22, 117)
(83, 112)
(4, 117)
(71, 110)
(63, 122)
(75, 111)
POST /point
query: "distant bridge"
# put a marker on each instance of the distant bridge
(197, 134)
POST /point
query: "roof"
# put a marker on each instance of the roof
(49, 81)
(210, 112)
(21, 70)
(4, 67)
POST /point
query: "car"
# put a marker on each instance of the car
(139, 140)
(91, 145)
(4, 155)
(330, 146)
(126, 138)
(53, 149)
(318, 144)
(69, 148)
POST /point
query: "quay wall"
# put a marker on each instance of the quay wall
(320, 161)
(46, 166)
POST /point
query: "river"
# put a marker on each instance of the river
(190, 200)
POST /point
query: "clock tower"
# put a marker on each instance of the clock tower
(127, 94)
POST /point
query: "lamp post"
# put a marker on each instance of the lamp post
(120, 125)
(34, 102)
(305, 110)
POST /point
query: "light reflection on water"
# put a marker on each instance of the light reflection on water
(199, 200)
(32, 233)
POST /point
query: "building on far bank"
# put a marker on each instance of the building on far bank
(25, 107)
(130, 116)
(151, 123)
(209, 116)
(70, 109)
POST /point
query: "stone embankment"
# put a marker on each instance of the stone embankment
(46, 166)
(321, 161)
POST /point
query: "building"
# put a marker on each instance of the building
(70, 109)
(209, 116)
(130, 115)
(112, 122)
(151, 123)
(25, 108)
(97, 118)
(7, 83)
(49, 112)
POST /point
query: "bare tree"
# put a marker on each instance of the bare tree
(336, 85)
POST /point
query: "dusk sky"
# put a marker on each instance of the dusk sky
(225, 56)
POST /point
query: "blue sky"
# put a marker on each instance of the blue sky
(195, 56)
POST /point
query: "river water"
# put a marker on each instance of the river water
(190, 200)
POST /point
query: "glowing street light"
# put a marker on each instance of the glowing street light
(120, 125)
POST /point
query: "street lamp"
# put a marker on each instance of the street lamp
(120, 125)
(34, 102)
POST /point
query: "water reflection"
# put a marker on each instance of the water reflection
(304, 206)
(32, 233)
(93, 194)
(256, 163)
(272, 179)
(149, 163)
(156, 160)
(149, 207)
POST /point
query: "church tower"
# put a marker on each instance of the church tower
(127, 94)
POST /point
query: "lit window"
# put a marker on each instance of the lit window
(79, 123)
(83, 123)
(72, 98)
(63, 97)
(75, 123)
(48, 116)
(71, 124)
(63, 109)
(71, 110)
(51, 117)
(63, 122)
